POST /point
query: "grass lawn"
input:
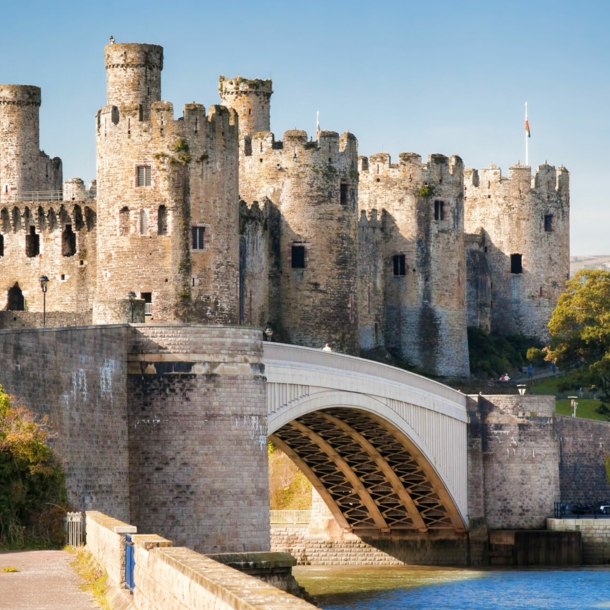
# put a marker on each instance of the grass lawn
(586, 406)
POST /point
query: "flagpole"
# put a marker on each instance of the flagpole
(527, 147)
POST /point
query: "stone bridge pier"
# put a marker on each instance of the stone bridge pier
(197, 406)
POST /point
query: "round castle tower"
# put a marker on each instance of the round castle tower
(133, 75)
(19, 139)
(524, 223)
(422, 261)
(311, 191)
(250, 99)
(167, 193)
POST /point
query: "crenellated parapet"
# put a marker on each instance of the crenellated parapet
(250, 98)
(167, 194)
(525, 223)
(421, 257)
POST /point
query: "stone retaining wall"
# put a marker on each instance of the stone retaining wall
(177, 578)
(595, 534)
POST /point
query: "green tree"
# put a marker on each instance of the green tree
(32, 481)
(580, 330)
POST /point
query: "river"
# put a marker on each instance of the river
(428, 588)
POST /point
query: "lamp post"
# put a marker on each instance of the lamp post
(573, 404)
(44, 280)
(268, 333)
(521, 387)
(131, 295)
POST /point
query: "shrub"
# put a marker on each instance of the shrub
(32, 481)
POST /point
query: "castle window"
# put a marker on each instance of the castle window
(68, 241)
(143, 175)
(516, 263)
(32, 243)
(344, 193)
(1, 245)
(439, 210)
(124, 221)
(400, 267)
(147, 298)
(197, 238)
(16, 302)
(298, 257)
(162, 220)
(143, 222)
(548, 223)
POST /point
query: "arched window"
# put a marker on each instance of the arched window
(124, 221)
(143, 222)
(16, 302)
(162, 220)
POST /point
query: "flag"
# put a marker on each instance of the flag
(317, 125)
(527, 128)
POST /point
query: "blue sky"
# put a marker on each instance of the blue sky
(443, 76)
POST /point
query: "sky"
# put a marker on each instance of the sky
(428, 77)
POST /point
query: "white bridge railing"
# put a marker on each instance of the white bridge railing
(290, 516)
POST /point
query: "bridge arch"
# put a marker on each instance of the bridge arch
(386, 449)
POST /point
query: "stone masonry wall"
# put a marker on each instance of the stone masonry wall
(520, 460)
(189, 182)
(68, 262)
(595, 535)
(77, 377)
(511, 213)
(23, 166)
(422, 220)
(198, 436)
(584, 447)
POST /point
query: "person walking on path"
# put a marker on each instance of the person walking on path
(530, 370)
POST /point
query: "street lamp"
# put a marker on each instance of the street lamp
(521, 387)
(268, 332)
(131, 295)
(44, 280)
(573, 404)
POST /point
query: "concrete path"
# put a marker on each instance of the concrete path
(45, 581)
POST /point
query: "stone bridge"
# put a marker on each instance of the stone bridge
(385, 448)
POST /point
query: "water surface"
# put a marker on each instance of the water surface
(429, 588)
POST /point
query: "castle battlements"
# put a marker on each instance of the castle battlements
(208, 218)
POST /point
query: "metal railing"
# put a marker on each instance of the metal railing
(290, 516)
(75, 529)
(40, 196)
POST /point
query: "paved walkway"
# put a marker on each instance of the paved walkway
(45, 581)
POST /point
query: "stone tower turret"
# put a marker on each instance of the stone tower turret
(23, 167)
(524, 223)
(133, 75)
(311, 193)
(167, 199)
(250, 99)
(422, 259)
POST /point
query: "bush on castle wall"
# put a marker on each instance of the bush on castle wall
(33, 497)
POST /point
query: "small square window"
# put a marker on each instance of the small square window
(143, 176)
(198, 238)
(516, 263)
(298, 257)
(400, 267)
(548, 223)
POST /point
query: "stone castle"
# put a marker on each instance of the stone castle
(208, 218)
